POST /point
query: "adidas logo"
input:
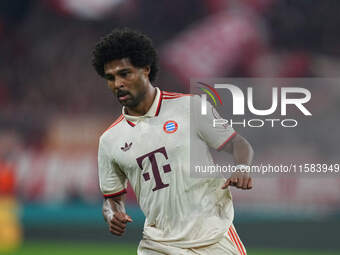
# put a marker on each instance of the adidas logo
(126, 147)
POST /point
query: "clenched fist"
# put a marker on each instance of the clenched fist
(118, 222)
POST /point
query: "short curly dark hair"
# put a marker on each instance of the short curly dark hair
(125, 43)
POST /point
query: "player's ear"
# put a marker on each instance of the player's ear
(146, 70)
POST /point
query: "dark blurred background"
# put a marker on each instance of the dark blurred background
(53, 107)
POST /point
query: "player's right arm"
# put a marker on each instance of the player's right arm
(115, 215)
(113, 183)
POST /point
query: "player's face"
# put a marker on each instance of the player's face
(128, 83)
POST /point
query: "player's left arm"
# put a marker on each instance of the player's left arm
(243, 154)
(223, 137)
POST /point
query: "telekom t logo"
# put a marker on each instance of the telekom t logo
(155, 171)
(238, 100)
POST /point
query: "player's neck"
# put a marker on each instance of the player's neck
(143, 107)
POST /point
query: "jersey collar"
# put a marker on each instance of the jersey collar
(152, 112)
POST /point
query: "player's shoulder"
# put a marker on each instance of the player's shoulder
(180, 100)
(112, 128)
(175, 97)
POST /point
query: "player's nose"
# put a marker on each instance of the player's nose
(119, 83)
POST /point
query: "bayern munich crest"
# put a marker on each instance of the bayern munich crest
(170, 126)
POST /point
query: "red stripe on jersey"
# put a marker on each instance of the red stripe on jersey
(171, 93)
(238, 239)
(230, 137)
(175, 94)
(235, 241)
(130, 123)
(115, 194)
(231, 238)
(159, 104)
(167, 97)
(120, 118)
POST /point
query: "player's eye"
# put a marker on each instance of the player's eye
(109, 77)
(124, 74)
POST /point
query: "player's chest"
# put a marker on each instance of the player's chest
(152, 141)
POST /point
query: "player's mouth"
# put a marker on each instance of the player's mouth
(123, 95)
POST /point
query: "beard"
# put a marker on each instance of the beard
(131, 101)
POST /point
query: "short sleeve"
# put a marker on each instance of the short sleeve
(215, 136)
(112, 180)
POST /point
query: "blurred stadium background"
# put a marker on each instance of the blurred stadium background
(53, 107)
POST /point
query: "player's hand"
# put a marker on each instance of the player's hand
(118, 222)
(239, 180)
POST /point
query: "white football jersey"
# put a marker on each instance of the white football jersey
(152, 152)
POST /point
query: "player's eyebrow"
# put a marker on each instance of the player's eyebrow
(127, 69)
(108, 76)
(120, 71)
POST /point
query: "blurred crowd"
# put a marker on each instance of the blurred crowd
(48, 86)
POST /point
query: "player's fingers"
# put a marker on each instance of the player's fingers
(122, 217)
(116, 228)
(250, 183)
(117, 233)
(233, 180)
(245, 182)
(226, 184)
(128, 218)
(117, 222)
(239, 182)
